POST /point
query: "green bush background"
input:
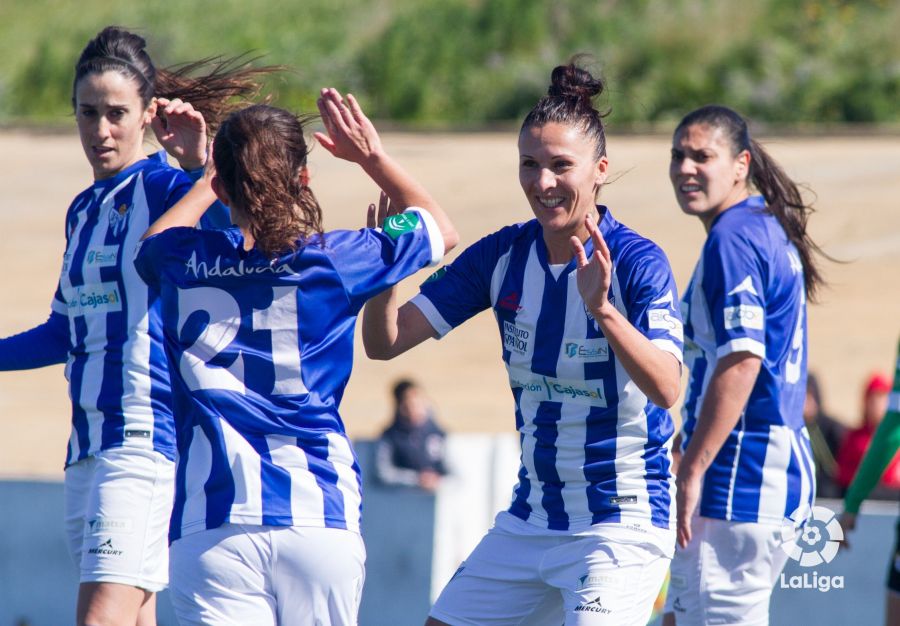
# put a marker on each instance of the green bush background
(467, 63)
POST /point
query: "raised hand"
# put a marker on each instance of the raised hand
(594, 274)
(181, 131)
(351, 136)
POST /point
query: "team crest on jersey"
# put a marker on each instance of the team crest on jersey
(396, 225)
(118, 218)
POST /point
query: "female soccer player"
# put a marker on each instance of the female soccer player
(104, 321)
(747, 464)
(258, 322)
(591, 336)
(881, 452)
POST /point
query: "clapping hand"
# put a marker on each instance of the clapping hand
(594, 274)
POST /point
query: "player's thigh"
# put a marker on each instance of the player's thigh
(126, 519)
(79, 478)
(606, 582)
(109, 604)
(318, 575)
(221, 577)
(726, 573)
(500, 583)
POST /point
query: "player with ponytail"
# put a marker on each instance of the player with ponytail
(588, 320)
(104, 322)
(747, 466)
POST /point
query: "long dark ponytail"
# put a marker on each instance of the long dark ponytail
(225, 85)
(259, 153)
(782, 195)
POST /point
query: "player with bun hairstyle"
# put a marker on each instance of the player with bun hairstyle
(747, 465)
(591, 335)
(104, 322)
(258, 322)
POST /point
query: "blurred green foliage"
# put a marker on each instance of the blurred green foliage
(472, 62)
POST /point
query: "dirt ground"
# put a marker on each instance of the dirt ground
(853, 330)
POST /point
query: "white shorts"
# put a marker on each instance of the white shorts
(118, 505)
(240, 574)
(518, 579)
(726, 574)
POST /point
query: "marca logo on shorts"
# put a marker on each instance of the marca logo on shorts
(105, 525)
(744, 316)
(95, 298)
(515, 339)
(587, 350)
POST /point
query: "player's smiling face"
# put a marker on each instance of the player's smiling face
(560, 176)
(111, 121)
(706, 176)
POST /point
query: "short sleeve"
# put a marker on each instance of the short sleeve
(734, 286)
(461, 290)
(373, 259)
(653, 304)
(147, 260)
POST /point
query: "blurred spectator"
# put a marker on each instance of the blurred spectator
(825, 434)
(411, 451)
(853, 447)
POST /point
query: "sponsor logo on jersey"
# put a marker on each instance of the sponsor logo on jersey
(515, 339)
(558, 390)
(67, 260)
(396, 225)
(106, 525)
(744, 316)
(664, 319)
(202, 269)
(95, 298)
(745, 286)
(510, 302)
(102, 256)
(623, 500)
(106, 548)
(587, 350)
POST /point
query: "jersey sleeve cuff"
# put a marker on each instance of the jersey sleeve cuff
(437, 321)
(666, 345)
(435, 238)
(742, 344)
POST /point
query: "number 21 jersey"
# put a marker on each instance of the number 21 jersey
(260, 351)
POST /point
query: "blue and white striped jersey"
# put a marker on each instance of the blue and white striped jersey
(747, 295)
(118, 380)
(594, 449)
(260, 353)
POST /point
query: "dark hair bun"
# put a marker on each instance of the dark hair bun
(571, 81)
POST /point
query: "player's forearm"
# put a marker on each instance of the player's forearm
(724, 403)
(379, 325)
(405, 191)
(187, 211)
(657, 373)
